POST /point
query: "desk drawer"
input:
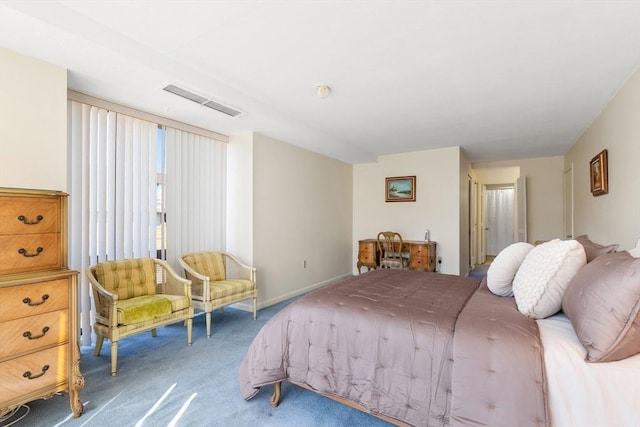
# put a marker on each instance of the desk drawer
(419, 263)
(420, 251)
(33, 299)
(31, 333)
(30, 252)
(367, 252)
(29, 215)
(32, 372)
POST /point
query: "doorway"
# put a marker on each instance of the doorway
(500, 215)
(473, 221)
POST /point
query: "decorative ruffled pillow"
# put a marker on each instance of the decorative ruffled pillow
(603, 303)
(543, 276)
(503, 269)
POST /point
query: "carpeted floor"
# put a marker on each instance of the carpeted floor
(163, 382)
(479, 271)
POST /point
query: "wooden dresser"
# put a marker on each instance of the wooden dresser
(422, 255)
(39, 354)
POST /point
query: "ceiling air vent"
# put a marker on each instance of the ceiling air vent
(207, 102)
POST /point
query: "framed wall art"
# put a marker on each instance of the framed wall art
(599, 174)
(400, 189)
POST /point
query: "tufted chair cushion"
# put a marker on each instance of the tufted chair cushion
(230, 288)
(207, 263)
(127, 278)
(143, 308)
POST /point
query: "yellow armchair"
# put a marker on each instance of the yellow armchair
(136, 295)
(219, 279)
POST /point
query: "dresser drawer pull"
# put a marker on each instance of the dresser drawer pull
(26, 254)
(30, 376)
(24, 219)
(28, 334)
(27, 301)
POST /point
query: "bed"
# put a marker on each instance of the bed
(430, 349)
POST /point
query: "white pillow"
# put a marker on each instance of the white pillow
(544, 275)
(503, 269)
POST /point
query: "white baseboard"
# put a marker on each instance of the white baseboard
(246, 305)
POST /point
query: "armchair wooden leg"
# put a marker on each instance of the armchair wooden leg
(114, 358)
(99, 340)
(255, 307)
(208, 318)
(154, 332)
(189, 330)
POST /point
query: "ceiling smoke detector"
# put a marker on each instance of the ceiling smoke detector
(323, 91)
(204, 101)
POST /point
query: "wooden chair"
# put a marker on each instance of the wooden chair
(390, 250)
(219, 279)
(136, 295)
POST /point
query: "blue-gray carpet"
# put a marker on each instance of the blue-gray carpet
(479, 271)
(163, 382)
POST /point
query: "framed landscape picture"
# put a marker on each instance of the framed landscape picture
(599, 174)
(400, 189)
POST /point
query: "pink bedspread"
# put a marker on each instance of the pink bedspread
(384, 340)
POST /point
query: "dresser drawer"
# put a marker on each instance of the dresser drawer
(32, 372)
(30, 252)
(29, 215)
(31, 333)
(33, 299)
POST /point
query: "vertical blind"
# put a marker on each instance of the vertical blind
(195, 194)
(118, 167)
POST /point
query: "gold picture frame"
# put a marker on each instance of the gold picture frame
(599, 174)
(400, 189)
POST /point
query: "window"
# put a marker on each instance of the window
(139, 189)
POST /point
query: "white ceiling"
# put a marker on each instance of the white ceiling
(501, 79)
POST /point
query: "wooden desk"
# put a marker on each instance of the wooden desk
(422, 255)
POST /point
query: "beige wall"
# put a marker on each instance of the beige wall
(437, 205)
(496, 175)
(240, 196)
(302, 210)
(544, 192)
(613, 217)
(33, 123)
